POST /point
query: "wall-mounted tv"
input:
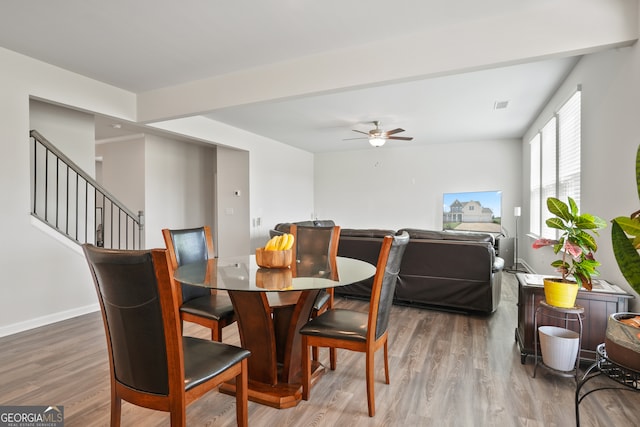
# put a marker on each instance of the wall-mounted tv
(472, 211)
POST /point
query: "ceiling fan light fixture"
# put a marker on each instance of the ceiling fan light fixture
(377, 141)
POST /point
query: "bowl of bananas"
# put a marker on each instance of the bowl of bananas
(276, 253)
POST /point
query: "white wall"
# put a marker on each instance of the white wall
(179, 186)
(123, 170)
(610, 136)
(280, 176)
(402, 187)
(43, 279)
(68, 130)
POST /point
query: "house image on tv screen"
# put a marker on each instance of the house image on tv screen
(471, 214)
(471, 211)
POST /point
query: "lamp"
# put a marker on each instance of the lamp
(377, 141)
(517, 211)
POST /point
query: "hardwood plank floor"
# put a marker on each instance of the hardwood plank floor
(447, 369)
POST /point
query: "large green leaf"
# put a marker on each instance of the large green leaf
(630, 226)
(638, 170)
(573, 206)
(559, 208)
(555, 223)
(586, 241)
(626, 255)
(590, 221)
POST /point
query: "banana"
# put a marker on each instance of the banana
(271, 244)
(281, 242)
(289, 243)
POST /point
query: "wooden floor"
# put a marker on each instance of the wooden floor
(446, 370)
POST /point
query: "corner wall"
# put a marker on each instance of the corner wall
(43, 279)
(610, 137)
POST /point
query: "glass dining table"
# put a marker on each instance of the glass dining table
(271, 306)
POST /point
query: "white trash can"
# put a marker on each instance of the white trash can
(559, 347)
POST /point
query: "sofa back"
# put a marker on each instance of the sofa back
(415, 233)
(363, 244)
(284, 227)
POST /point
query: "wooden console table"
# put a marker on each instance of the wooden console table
(598, 305)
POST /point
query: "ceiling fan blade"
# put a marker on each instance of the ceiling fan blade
(359, 131)
(349, 139)
(401, 138)
(391, 132)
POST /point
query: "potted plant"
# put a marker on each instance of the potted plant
(623, 329)
(578, 245)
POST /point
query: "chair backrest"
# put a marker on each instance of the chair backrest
(315, 250)
(131, 300)
(187, 246)
(384, 283)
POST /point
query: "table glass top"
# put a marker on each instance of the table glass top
(243, 274)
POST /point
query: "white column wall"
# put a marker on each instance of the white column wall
(280, 176)
(179, 186)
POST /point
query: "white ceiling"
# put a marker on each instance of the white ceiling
(145, 45)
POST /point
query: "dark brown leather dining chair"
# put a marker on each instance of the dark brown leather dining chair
(209, 308)
(356, 331)
(151, 364)
(314, 254)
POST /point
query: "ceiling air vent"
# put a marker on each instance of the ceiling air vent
(500, 105)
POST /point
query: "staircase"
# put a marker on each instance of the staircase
(67, 199)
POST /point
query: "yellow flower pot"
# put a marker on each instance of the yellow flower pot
(559, 293)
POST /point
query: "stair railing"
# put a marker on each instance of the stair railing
(70, 201)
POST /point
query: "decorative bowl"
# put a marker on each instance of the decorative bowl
(273, 259)
(622, 340)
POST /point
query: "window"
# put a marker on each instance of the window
(555, 164)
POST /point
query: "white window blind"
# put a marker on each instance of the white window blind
(547, 175)
(569, 149)
(534, 218)
(555, 164)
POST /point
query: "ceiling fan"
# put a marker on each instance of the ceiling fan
(377, 137)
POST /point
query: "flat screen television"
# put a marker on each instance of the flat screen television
(472, 211)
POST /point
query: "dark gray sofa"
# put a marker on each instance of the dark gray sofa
(440, 269)
(444, 270)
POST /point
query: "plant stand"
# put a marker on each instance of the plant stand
(627, 379)
(575, 314)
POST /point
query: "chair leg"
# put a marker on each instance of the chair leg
(179, 416)
(116, 409)
(371, 400)
(386, 362)
(242, 395)
(216, 332)
(306, 369)
(333, 358)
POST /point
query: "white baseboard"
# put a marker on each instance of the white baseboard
(46, 320)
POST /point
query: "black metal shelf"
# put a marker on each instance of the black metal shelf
(625, 378)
